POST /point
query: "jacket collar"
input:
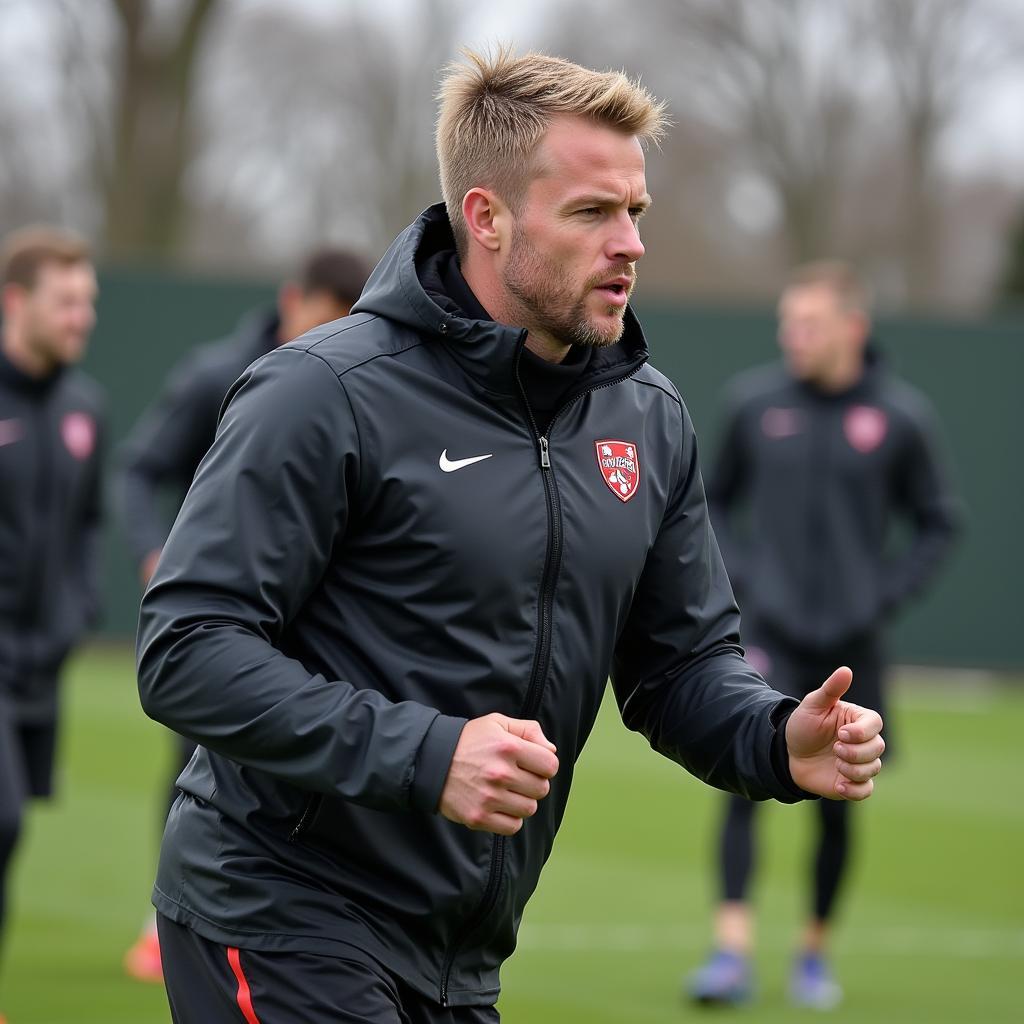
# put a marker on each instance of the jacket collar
(488, 351)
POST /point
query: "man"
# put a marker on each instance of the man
(817, 456)
(51, 426)
(165, 446)
(389, 605)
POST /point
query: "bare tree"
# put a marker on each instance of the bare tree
(152, 136)
(936, 55)
(342, 151)
(833, 118)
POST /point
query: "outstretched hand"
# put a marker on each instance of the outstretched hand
(834, 747)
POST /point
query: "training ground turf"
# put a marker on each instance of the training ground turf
(933, 929)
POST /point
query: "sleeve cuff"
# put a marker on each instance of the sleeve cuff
(433, 761)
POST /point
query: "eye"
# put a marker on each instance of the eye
(636, 212)
(590, 211)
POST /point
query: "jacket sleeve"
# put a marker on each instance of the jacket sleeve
(265, 515)
(679, 674)
(727, 485)
(162, 450)
(924, 494)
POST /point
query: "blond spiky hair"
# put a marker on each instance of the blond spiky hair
(494, 111)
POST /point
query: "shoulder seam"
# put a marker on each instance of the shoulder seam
(653, 384)
(341, 384)
(369, 359)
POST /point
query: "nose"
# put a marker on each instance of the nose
(625, 244)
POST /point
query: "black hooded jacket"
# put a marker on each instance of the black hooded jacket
(821, 478)
(378, 547)
(51, 441)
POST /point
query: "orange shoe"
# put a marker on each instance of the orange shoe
(142, 961)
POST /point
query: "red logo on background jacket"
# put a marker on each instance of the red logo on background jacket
(620, 467)
(865, 427)
(78, 431)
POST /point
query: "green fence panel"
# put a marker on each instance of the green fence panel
(969, 369)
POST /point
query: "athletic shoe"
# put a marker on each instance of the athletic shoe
(142, 961)
(811, 984)
(726, 978)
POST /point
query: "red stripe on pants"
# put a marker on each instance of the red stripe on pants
(244, 996)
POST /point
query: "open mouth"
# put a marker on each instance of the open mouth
(615, 292)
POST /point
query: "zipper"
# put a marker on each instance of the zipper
(41, 491)
(819, 459)
(308, 814)
(542, 656)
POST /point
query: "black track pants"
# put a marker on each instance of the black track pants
(212, 984)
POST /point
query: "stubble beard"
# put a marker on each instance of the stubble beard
(550, 308)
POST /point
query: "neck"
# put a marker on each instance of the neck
(841, 377)
(28, 360)
(486, 285)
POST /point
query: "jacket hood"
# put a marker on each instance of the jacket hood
(488, 350)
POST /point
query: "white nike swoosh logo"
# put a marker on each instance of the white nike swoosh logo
(449, 466)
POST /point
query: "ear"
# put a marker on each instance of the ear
(289, 295)
(12, 298)
(487, 218)
(860, 327)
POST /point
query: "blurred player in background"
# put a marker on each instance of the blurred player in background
(159, 457)
(818, 457)
(51, 424)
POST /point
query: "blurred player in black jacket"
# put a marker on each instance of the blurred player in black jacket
(51, 425)
(819, 455)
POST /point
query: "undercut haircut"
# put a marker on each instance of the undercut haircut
(495, 109)
(27, 250)
(842, 278)
(338, 272)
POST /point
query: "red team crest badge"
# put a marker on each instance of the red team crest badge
(620, 467)
(865, 427)
(78, 431)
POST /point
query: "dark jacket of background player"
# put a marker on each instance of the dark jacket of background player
(159, 457)
(803, 495)
(51, 441)
(333, 580)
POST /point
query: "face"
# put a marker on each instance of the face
(570, 265)
(58, 313)
(301, 311)
(817, 332)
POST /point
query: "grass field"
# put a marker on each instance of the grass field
(933, 929)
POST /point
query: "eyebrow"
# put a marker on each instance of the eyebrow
(607, 199)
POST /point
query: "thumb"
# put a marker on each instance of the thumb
(830, 691)
(529, 731)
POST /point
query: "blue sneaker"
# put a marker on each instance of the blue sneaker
(811, 984)
(726, 979)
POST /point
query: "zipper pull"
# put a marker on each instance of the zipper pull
(545, 458)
